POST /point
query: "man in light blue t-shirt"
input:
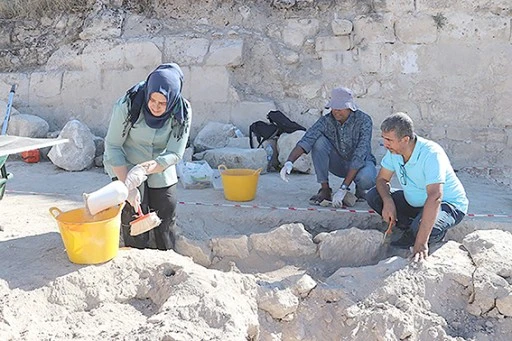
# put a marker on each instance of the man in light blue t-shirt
(432, 198)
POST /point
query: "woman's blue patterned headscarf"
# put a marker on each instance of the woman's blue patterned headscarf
(167, 79)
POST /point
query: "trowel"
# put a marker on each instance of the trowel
(388, 231)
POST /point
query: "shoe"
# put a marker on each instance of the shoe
(405, 241)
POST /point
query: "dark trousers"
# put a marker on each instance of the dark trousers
(410, 217)
(162, 201)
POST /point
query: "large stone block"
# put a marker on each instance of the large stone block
(476, 28)
(444, 6)
(399, 6)
(80, 85)
(400, 58)
(209, 84)
(369, 58)
(142, 54)
(185, 50)
(28, 126)
(5, 36)
(298, 30)
(416, 29)
(337, 43)
(103, 55)
(340, 62)
(289, 240)
(45, 88)
(236, 158)
(370, 30)
(461, 152)
(116, 82)
(437, 133)
(214, 135)
(377, 108)
(230, 247)
(67, 57)
(409, 107)
(199, 250)
(341, 27)
(500, 102)
(225, 53)
(78, 154)
(349, 248)
(451, 60)
(461, 134)
(289, 57)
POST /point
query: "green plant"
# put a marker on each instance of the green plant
(440, 20)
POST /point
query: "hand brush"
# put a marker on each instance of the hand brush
(144, 222)
(388, 231)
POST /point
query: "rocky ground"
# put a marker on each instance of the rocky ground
(257, 272)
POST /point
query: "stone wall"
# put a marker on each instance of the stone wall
(446, 63)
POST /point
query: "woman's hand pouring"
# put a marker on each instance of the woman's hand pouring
(135, 177)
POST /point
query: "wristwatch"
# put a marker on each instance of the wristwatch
(344, 187)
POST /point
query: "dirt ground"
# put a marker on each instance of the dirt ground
(35, 188)
(36, 269)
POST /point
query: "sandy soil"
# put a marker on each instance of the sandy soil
(32, 255)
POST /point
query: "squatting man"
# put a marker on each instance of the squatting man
(432, 198)
(340, 143)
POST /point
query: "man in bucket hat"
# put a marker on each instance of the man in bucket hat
(340, 143)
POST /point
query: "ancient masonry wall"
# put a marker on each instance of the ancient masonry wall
(446, 63)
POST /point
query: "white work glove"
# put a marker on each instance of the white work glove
(337, 199)
(287, 169)
(134, 199)
(135, 177)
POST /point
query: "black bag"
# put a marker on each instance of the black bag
(283, 123)
(262, 131)
(279, 124)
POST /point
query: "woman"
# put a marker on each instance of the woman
(144, 154)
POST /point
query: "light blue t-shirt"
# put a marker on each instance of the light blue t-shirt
(428, 165)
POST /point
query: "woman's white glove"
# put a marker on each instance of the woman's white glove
(287, 169)
(135, 177)
(337, 199)
(134, 198)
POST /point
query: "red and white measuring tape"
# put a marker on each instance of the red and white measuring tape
(282, 208)
(319, 209)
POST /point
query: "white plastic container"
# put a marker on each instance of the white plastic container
(108, 196)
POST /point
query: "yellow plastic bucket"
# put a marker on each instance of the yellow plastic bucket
(239, 184)
(89, 239)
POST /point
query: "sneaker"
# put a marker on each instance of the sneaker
(405, 241)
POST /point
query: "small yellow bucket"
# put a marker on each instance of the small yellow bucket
(89, 239)
(239, 184)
